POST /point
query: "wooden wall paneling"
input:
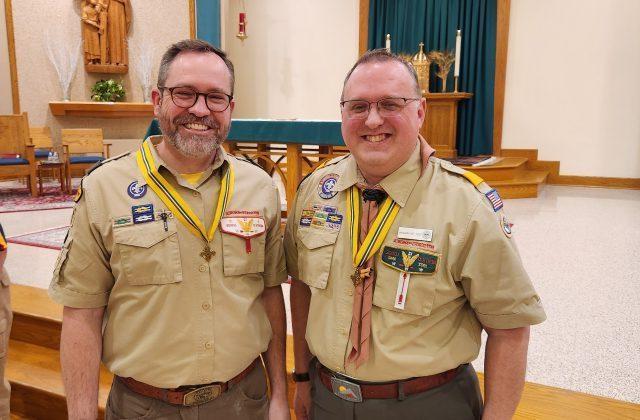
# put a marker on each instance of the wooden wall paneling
(13, 68)
(192, 19)
(364, 27)
(502, 42)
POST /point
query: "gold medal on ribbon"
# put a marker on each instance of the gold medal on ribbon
(172, 199)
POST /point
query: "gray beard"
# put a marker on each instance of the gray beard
(193, 146)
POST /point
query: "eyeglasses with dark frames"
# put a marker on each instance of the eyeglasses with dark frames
(387, 107)
(186, 97)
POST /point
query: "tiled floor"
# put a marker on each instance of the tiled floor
(580, 246)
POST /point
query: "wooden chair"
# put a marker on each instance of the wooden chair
(42, 141)
(83, 148)
(17, 155)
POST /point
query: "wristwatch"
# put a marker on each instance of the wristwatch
(300, 377)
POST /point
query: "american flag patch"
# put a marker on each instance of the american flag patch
(495, 199)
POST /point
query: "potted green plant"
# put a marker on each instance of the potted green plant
(107, 91)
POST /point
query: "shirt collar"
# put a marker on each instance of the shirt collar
(398, 184)
(218, 161)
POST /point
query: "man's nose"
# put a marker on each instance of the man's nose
(374, 119)
(200, 107)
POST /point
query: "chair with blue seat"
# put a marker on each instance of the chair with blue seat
(83, 148)
(42, 141)
(17, 155)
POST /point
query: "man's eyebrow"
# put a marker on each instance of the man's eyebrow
(213, 90)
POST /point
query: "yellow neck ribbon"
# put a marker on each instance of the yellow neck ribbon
(378, 230)
(172, 199)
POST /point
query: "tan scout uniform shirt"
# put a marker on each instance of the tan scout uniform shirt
(478, 280)
(172, 318)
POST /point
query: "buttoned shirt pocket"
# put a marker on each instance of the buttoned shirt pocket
(315, 251)
(420, 295)
(238, 258)
(149, 254)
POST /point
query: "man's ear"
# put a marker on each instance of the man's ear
(156, 100)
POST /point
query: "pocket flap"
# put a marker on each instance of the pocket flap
(314, 238)
(140, 236)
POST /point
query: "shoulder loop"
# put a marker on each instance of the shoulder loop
(324, 164)
(99, 164)
(247, 159)
(470, 176)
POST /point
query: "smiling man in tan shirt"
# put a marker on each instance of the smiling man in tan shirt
(172, 268)
(399, 261)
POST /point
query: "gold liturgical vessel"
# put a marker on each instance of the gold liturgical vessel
(421, 63)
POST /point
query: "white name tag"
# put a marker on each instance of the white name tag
(415, 234)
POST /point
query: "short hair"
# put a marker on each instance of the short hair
(382, 55)
(193, 45)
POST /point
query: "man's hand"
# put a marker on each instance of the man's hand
(302, 401)
(279, 409)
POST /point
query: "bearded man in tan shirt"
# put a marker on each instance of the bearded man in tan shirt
(172, 268)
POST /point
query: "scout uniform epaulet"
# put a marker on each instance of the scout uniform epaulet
(491, 194)
(99, 164)
(324, 164)
(248, 160)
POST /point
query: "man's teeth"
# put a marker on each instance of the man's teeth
(376, 139)
(193, 126)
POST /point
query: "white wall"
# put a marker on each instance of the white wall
(573, 84)
(6, 106)
(296, 56)
(158, 25)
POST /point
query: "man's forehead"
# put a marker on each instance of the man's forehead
(386, 75)
(202, 67)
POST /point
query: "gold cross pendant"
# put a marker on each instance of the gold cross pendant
(359, 275)
(207, 253)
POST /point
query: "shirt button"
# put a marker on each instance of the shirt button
(202, 268)
(196, 193)
(208, 345)
(206, 306)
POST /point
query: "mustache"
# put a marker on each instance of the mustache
(192, 119)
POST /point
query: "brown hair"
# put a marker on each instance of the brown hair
(381, 55)
(195, 45)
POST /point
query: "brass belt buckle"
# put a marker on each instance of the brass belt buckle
(346, 390)
(202, 395)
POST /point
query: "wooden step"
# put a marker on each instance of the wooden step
(37, 390)
(527, 185)
(506, 168)
(36, 318)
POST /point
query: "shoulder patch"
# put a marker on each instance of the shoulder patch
(99, 164)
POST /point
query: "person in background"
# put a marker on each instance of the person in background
(6, 316)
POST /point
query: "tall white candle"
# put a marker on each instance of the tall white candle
(456, 71)
(387, 43)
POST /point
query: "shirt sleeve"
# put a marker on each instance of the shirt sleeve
(82, 276)
(492, 275)
(290, 247)
(275, 272)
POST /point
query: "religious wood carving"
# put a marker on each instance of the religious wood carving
(105, 24)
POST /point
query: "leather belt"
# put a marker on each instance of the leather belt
(186, 395)
(355, 391)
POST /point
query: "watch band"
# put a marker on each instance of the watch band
(300, 377)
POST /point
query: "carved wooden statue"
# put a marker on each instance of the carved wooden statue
(105, 24)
